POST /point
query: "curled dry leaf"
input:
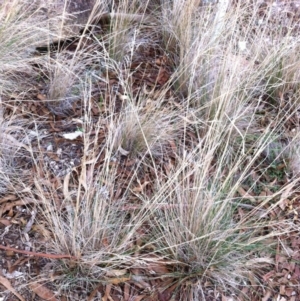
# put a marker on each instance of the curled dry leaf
(123, 151)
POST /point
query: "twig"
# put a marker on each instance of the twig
(44, 255)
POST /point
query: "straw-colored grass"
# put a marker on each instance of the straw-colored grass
(172, 175)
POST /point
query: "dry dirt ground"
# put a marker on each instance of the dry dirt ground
(23, 241)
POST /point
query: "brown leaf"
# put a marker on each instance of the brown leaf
(116, 273)
(41, 96)
(10, 206)
(139, 282)
(167, 294)
(5, 222)
(246, 195)
(42, 230)
(267, 276)
(5, 282)
(243, 293)
(289, 291)
(126, 292)
(18, 263)
(9, 253)
(296, 273)
(173, 146)
(43, 292)
(158, 268)
(266, 296)
(10, 197)
(94, 292)
(107, 293)
(117, 280)
(282, 290)
(163, 76)
(139, 298)
(141, 187)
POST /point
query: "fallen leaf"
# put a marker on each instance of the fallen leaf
(9, 253)
(107, 293)
(7, 284)
(41, 96)
(126, 291)
(289, 291)
(167, 294)
(10, 197)
(163, 76)
(72, 136)
(158, 268)
(116, 273)
(117, 280)
(66, 191)
(266, 296)
(10, 206)
(18, 263)
(5, 222)
(282, 290)
(267, 276)
(141, 187)
(13, 275)
(139, 282)
(42, 230)
(123, 152)
(139, 298)
(94, 292)
(43, 292)
(246, 195)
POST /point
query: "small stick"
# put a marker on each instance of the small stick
(44, 255)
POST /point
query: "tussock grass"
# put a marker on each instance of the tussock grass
(139, 131)
(127, 29)
(91, 220)
(16, 136)
(19, 35)
(201, 228)
(66, 75)
(228, 122)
